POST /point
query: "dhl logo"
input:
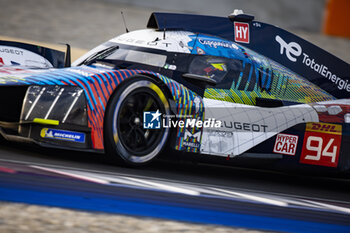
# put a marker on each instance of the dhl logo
(324, 128)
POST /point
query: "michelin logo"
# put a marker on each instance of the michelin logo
(293, 50)
(63, 135)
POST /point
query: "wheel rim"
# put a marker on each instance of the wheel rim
(133, 136)
(134, 143)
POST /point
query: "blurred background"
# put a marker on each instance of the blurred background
(86, 23)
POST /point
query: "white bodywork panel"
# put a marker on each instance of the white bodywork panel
(174, 41)
(245, 126)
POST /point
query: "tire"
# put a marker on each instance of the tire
(126, 140)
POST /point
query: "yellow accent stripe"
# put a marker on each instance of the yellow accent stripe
(45, 121)
(160, 94)
(116, 138)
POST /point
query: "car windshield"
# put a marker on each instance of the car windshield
(146, 58)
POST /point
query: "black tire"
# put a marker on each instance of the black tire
(126, 141)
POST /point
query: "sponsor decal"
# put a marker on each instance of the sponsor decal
(62, 135)
(323, 70)
(217, 43)
(293, 51)
(143, 42)
(321, 144)
(324, 128)
(14, 56)
(286, 144)
(192, 139)
(151, 120)
(241, 32)
(11, 51)
(175, 41)
(200, 51)
(244, 126)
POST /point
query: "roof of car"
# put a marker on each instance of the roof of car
(184, 42)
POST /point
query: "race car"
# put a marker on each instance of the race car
(228, 87)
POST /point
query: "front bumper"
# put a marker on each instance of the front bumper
(51, 116)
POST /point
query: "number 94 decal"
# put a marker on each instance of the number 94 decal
(321, 144)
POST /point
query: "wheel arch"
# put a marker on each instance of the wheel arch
(164, 87)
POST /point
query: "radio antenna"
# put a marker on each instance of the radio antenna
(126, 29)
(164, 30)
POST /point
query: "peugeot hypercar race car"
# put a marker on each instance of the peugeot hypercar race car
(228, 87)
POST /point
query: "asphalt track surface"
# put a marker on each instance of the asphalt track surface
(182, 190)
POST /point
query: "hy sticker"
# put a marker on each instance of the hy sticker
(241, 32)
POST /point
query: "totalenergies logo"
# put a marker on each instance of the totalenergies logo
(324, 128)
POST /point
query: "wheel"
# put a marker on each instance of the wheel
(126, 139)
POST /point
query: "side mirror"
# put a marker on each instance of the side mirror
(199, 79)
